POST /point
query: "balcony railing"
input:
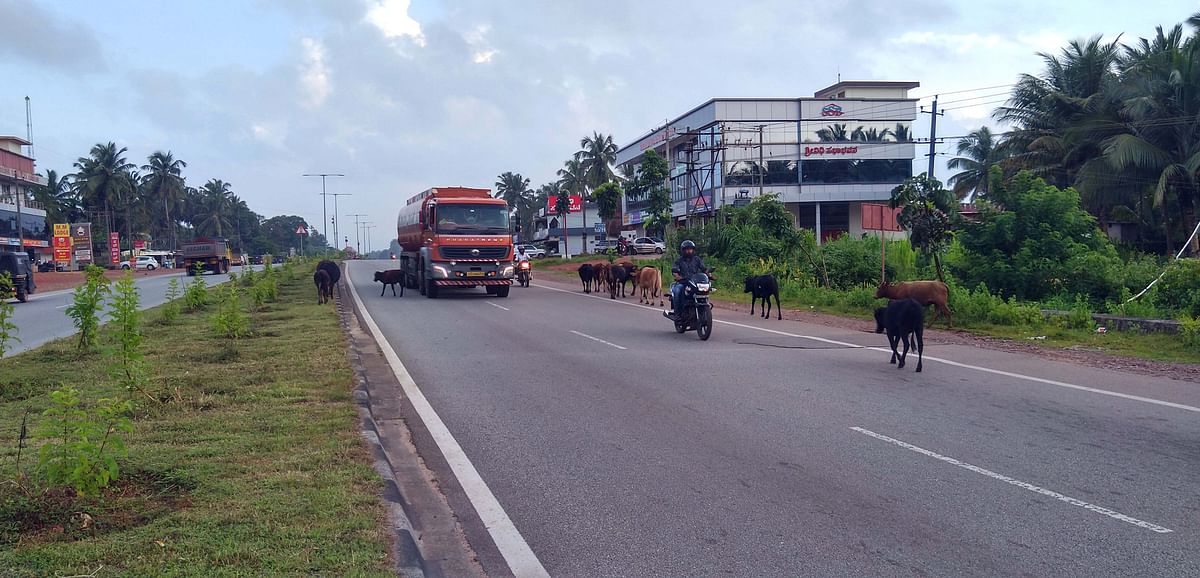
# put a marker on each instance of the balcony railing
(23, 176)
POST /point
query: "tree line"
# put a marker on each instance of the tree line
(1119, 123)
(153, 202)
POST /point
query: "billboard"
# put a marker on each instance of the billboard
(576, 205)
(81, 241)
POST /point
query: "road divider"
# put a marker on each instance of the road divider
(1025, 485)
(848, 345)
(512, 546)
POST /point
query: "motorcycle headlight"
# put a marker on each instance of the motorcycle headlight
(703, 287)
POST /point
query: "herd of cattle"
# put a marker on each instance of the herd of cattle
(903, 319)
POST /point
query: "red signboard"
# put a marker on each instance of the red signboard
(876, 217)
(809, 151)
(62, 242)
(575, 207)
(62, 255)
(139, 244)
(114, 247)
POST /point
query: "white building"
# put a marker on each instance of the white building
(826, 156)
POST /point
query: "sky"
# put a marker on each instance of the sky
(403, 95)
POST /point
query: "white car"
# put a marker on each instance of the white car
(533, 251)
(647, 245)
(142, 262)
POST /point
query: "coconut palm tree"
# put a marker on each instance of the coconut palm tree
(980, 151)
(573, 180)
(101, 180)
(165, 186)
(513, 188)
(60, 200)
(216, 203)
(597, 155)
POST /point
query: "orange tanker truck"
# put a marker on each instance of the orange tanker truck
(455, 237)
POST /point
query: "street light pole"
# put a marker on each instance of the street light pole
(335, 219)
(357, 232)
(367, 226)
(323, 175)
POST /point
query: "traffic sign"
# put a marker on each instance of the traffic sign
(600, 227)
(301, 230)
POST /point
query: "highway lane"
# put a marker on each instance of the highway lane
(44, 317)
(620, 448)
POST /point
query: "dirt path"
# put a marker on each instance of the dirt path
(54, 281)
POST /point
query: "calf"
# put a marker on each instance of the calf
(649, 280)
(586, 275)
(324, 286)
(631, 271)
(903, 319)
(933, 293)
(617, 276)
(764, 287)
(391, 277)
(599, 276)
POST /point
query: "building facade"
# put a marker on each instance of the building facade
(825, 157)
(22, 219)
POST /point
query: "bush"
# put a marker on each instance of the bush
(85, 307)
(82, 447)
(127, 363)
(1179, 288)
(229, 321)
(170, 309)
(195, 298)
(8, 329)
(1189, 330)
(1080, 316)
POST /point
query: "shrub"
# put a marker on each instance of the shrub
(1189, 330)
(8, 329)
(229, 321)
(1179, 288)
(82, 447)
(1080, 316)
(195, 298)
(170, 309)
(126, 359)
(85, 307)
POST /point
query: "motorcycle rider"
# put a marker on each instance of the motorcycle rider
(521, 256)
(687, 264)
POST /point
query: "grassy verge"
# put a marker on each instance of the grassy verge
(249, 464)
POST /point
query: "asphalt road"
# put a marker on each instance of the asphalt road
(620, 448)
(44, 317)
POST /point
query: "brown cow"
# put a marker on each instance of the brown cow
(600, 276)
(324, 286)
(649, 280)
(933, 293)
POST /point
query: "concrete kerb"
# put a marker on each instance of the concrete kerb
(410, 563)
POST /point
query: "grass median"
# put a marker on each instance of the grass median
(247, 461)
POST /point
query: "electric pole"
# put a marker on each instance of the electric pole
(357, 232)
(335, 211)
(367, 226)
(933, 115)
(323, 175)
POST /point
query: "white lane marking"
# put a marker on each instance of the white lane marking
(517, 554)
(63, 306)
(1036, 489)
(1043, 380)
(597, 339)
(497, 306)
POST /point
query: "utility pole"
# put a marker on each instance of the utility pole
(367, 227)
(933, 114)
(335, 211)
(323, 175)
(761, 167)
(357, 232)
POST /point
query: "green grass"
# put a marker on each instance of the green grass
(251, 465)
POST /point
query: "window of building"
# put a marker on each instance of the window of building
(746, 172)
(835, 218)
(857, 131)
(855, 171)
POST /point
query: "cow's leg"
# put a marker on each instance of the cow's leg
(904, 354)
(892, 339)
(920, 346)
(383, 290)
(753, 298)
(766, 311)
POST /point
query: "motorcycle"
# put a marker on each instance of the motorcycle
(524, 272)
(694, 312)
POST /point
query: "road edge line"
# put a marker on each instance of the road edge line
(512, 546)
(1001, 372)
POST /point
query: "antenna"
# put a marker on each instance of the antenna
(29, 127)
(839, 72)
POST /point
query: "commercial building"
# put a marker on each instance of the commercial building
(22, 219)
(550, 227)
(827, 157)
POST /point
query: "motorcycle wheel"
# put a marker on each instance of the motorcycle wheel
(680, 327)
(704, 323)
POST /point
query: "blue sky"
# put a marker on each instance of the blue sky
(404, 96)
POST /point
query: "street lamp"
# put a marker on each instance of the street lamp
(335, 210)
(323, 175)
(357, 232)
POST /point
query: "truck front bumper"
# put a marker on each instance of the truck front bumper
(471, 273)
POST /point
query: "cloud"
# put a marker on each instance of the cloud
(315, 75)
(29, 32)
(392, 19)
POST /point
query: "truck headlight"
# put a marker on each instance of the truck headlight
(507, 271)
(441, 271)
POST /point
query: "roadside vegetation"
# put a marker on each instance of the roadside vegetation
(213, 438)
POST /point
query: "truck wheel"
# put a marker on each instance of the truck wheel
(502, 291)
(22, 296)
(420, 281)
(431, 289)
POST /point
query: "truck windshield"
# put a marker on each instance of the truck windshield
(466, 219)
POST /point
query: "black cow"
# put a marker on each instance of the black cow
(630, 277)
(324, 286)
(618, 275)
(903, 319)
(391, 277)
(764, 287)
(335, 273)
(587, 276)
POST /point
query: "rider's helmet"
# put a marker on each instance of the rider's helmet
(521, 249)
(687, 248)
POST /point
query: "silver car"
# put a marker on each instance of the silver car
(647, 245)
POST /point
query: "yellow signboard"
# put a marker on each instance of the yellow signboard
(62, 230)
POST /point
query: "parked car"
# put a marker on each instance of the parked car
(48, 266)
(647, 245)
(534, 251)
(604, 246)
(142, 262)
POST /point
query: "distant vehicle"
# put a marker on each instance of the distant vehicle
(142, 262)
(210, 254)
(533, 251)
(49, 266)
(647, 245)
(20, 270)
(604, 245)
